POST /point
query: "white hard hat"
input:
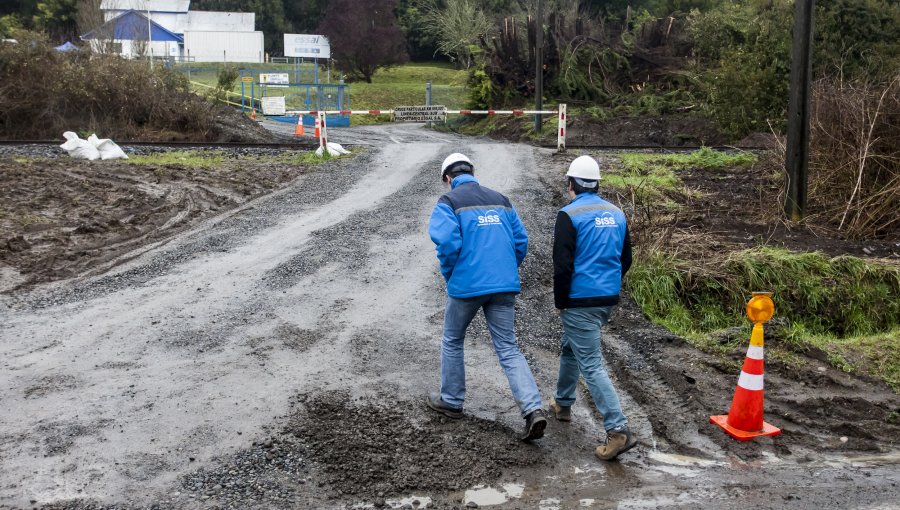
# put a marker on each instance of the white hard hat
(454, 159)
(584, 167)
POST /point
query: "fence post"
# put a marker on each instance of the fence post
(561, 136)
(428, 98)
(323, 132)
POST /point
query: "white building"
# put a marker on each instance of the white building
(169, 28)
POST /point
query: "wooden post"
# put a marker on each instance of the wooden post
(797, 157)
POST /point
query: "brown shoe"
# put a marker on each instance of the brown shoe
(562, 413)
(618, 441)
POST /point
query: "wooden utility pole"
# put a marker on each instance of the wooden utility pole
(539, 66)
(797, 157)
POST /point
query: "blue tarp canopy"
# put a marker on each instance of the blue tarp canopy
(132, 26)
(66, 47)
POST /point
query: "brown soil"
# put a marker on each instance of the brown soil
(62, 217)
(741, 208)
(646, 131)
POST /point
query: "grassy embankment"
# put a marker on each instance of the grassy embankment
(214, 159)
(845, 306)
(400, 86)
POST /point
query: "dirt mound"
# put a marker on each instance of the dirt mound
(60, 217)
(371, 450)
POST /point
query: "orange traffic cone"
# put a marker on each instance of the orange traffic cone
(745, 419)
(298, 131)
(253, 114)
(318, 128)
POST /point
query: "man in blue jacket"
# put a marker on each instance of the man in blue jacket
(591, 253)
(480, 243)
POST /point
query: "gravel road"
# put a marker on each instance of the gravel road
(277, 356)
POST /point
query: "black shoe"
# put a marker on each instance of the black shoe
(535, 423)
(435, 402)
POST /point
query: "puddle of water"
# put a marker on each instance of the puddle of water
(548, 504)
(514, 490)
(681, 460)
(423, 502)
(485, 496)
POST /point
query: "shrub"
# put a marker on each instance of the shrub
(44, 92)
(854, 166)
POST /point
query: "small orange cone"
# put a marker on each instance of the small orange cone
(298, 131)
(318, 128)
(745, 419)
(253, 114)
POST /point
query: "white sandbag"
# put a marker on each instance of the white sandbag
(107, 148)
(78, 148)
(334, 149)
(337, 148)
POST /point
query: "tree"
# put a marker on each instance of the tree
(459, 25)
(364, 35)
(56, 18)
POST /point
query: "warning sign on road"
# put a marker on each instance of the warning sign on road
(433, 113)
(247, 79)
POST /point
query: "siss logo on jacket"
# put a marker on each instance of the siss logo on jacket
(605, 220)
(489, 219)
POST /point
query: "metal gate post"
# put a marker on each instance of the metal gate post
(561, 137)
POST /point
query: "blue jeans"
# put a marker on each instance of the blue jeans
(500, 313)
(581, 354)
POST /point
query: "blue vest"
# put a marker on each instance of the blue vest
(600, 228)
(479, 238)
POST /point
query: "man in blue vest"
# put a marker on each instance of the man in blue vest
(480, 243)
(591, 253)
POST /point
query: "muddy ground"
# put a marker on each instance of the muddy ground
(276, 356)
(61, 217)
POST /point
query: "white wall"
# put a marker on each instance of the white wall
(132, 50)
(220, 21)
(208, 46)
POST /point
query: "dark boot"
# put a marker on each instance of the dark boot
(535, 423)
(435, 402)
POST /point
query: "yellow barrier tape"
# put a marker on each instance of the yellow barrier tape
(227, 92)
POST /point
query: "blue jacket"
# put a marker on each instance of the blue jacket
(479, 238)
(591, 253)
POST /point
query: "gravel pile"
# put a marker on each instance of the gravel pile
(371, 451)
(265, 473)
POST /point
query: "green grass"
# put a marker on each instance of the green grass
(213, 159)
(405, 86)
(844, 305)
(188, 159)
(654, 174)
(399, 86)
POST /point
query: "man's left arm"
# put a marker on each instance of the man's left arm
(520, 236)
(445, 232)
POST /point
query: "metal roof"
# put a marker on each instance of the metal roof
(132, 26)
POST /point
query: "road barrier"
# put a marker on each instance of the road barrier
(437, 113)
